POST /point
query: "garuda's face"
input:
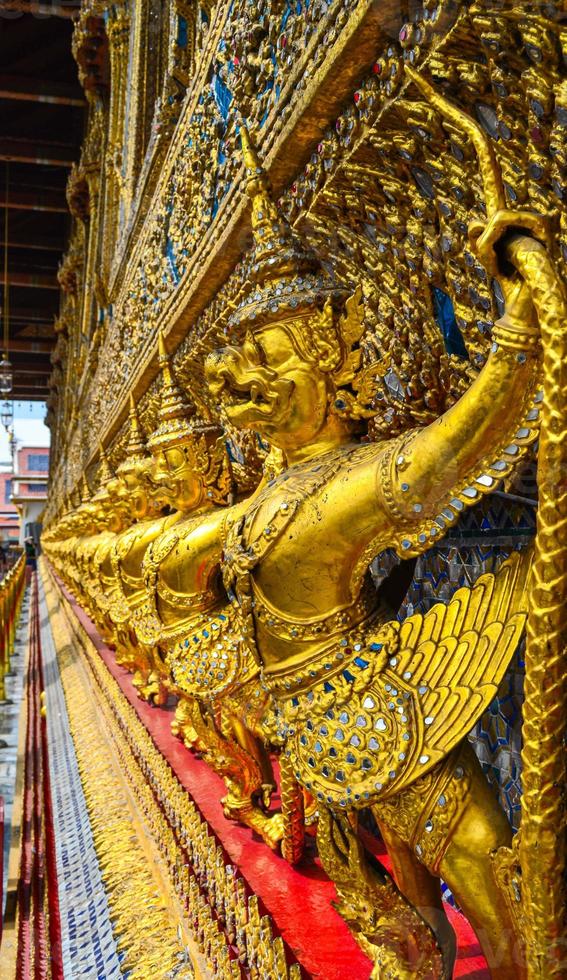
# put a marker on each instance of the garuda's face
(130, 492)
(86, 518)
(101, 510)
(143, 497)
(118, 508)
(268, 385)
(174, 480)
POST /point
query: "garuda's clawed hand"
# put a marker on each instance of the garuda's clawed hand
(511, 246)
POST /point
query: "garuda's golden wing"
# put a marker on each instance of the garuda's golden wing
(405, 694)
(455, 656)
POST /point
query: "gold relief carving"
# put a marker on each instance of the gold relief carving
(398, 941)
(90, 48)
(78, 197)
(117, 351)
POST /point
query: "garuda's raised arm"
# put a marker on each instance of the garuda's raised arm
(428, 477)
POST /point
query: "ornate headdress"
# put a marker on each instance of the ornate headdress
(286, 276)
(202, 442)
(175, 412)
(136, 450)
(288, 281)
(84, 491)
(105, 474)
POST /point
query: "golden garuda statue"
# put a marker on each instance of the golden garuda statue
(372, 712)
(167, 584)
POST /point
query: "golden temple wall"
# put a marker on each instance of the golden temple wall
(358, 159)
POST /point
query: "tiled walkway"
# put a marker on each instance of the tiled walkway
(89, 948)
(9, 722)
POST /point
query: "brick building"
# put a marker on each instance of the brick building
(9, 516)
(29, 488)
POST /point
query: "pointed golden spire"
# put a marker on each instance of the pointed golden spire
(173, 403)
(285, 274)
(268, 226)
(136, 450)
(136, 441)
(84, 490)
(105, 473)
(175, 411)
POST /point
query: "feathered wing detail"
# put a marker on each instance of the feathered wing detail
(454, 657)
(410, 695)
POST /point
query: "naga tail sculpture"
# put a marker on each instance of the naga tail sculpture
(391, 932)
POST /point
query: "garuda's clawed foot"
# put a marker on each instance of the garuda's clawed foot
(269, 827)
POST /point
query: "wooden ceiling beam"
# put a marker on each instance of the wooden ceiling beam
(30, 314)
(34, 200)
(31, 332)
(22, 88)
(38, 243)
(31, 379)
(30, 346)
(41, 371)
(42, 9)
(41, 152)
(33, 280)
(29, 393)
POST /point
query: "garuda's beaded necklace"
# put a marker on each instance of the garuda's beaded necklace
(242, 555)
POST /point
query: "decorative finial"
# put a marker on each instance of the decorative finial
(85, 493)
(105, 473)
(136, 442)
(286, 276)
(175, 411)
(268, 225)
(136, 450)
(162, 349)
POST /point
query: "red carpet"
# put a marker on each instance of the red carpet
(298, 899)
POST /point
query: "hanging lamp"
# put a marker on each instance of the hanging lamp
(7, 414)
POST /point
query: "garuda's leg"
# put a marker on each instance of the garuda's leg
(255, 748)
(388, 927)
(454, 826)
(423, 890)
(468, 868)
(242, 773)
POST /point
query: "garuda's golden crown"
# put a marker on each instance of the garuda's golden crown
(105, 474)
(285, 276)
(136, 450)
(84, 491)
(175, 413)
